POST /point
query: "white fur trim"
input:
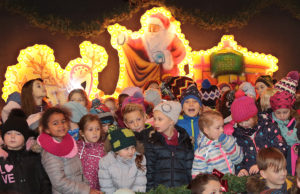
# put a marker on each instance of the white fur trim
(154, 20)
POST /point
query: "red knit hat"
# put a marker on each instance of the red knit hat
(243, 107)
(282, 99)
(159, 19)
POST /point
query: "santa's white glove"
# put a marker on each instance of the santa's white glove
(159, 57)
(122, 38)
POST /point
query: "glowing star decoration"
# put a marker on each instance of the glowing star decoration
(255, 64)
(38, 61)
(83, 72)
(116, 30)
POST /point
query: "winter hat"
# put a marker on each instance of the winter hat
(121, 138)
(153, 95)
(266, 79)
(131, 90)
(13, 102)
(102, 111)
(137, 98)
(160, 20)
(171, 109)
(248, 89)
(282, 99)
(289, 83)
(77, 110)
(209, 94)
(191, 92)
(223, 85)
(243, 107)
(15, 96)
(16, 121)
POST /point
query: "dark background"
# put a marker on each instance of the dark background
(272, 31)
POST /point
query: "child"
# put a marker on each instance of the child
(216, 150)
(192, 108)
(80, 96)
(224, 87)
(119, 118)
(77, 111)
(205, 183)
(151, 84)
(122, 167)
(111, 103)
(21, 171)
(248, 89)
(90, 149)
(265, 100)
(224, 108)
(169, 151)
(252, 133)
(59, 154)
(33, 97)
(262, 83)
(272, 168)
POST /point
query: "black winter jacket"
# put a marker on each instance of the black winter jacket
(22, 172)
(169, 165)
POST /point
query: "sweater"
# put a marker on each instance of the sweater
(220, 154)
(90, 154)
(117, 173)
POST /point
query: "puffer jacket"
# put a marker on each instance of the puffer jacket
(116, 173)
(65, 174)
(169, 165)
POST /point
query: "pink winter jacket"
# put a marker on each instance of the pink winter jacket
(90, 154)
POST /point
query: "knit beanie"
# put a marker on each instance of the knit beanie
(191, 92)
(103, 112)
(243, 107)
(121, 138)
(153, 95)
(77, 110)
(248, 89)
(223, 85)
(289, 83)
(209, 94)
(282, 99)
(137, 98)
(266, 79)
(171, 109)
(131, 90)
(16, 122)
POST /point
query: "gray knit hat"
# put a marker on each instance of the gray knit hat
(171, 109)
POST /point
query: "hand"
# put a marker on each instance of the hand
(243, 172)
(31, 141)
(3, 153)
(93, 191)
(254, 169)
(192, 140)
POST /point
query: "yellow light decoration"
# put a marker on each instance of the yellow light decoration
(254, 62)
(38, 61)
(115, 29)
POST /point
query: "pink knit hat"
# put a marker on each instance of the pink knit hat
(243, 107)
(282, 99)
(289, 83)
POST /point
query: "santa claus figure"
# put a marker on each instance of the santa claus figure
(154, 55)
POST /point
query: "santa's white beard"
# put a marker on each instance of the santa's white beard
(158, 42)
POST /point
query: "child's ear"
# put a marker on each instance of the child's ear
(81, 133)
(262, 173)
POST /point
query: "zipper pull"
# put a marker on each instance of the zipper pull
(172, 154)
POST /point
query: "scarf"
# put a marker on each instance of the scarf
(290, 135)
(67, 148)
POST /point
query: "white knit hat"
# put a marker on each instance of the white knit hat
(171, 109)
(153, 95)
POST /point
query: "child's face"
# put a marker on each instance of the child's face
(127, 153)
(92, 132)
(14, 140)
(260, 87)
(162, 123)
(212, 187)
(135, 121)
(38, 89)
(250, 123)
(106, 126)
(224, 89)
(58, 126)
(77, 97)
(282, 114)
(154, 85)
(111, 105)
(191, 107)
(216, 129)
(274, 180)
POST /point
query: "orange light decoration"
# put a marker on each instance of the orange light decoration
(115, 29)
(38, 61)
(255, 63)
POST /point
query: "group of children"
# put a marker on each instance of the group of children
(142, 140)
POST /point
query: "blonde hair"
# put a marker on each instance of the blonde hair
(207, 119)
(131, 107)
(270, 158)
(265, 98)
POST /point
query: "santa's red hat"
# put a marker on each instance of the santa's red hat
(159, 19)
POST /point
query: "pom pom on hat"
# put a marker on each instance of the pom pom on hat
(171, 109)
(137, 98)
(293, 75)
(206, 84)
(153, 95)
(131, 90)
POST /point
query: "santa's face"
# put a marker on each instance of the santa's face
(153, 28)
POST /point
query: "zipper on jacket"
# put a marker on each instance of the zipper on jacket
(172, 169)
(193, 131)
